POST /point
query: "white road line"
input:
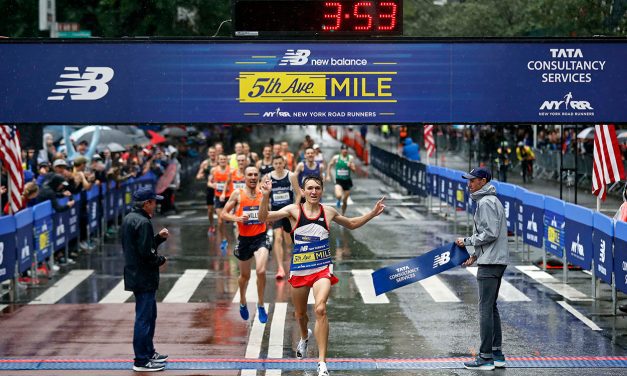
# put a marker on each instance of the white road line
(507, 293)
(552, 283)
(363, 280)
(62, 287)
(361, 210)
(578, 315)
(251, 290)
(253, 349)
(185, 286)
(273, 372)
(406, 213)
(277, 330)
(438, 290)
(396, 196)
(117, 295)
(349, 201)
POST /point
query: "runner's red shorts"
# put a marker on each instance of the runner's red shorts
(309, 280)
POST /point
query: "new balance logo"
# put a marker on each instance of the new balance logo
(298, 57)
(89, 86)
(441, 259)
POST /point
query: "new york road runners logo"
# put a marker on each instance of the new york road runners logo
(88, 86)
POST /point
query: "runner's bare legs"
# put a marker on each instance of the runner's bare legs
(321, 289)
(244, 277)
(299, 299)
(261, 261)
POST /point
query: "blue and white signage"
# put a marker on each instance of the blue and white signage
(554, 226)
(507, 194)
(42, 216)
(620, 256)
(7, 247)
(61, 222)
(533, 219)
(602, 242)
(24, 238)
(73, 215)
(335, 82)
(578, 237)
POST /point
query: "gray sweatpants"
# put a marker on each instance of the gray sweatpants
(489, 281)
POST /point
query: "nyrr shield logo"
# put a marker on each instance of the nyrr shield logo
(89, 86)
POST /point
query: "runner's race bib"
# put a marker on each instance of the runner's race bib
(311, 255)
(239, 185)
(253, 215)
(280, 197)
(343, 173)
(220, 187)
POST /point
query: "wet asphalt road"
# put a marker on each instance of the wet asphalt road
(413, 324)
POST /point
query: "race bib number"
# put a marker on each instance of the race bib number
(311, 255)
(253, 215)
(343, 173)
(281, 197)
(239, 185)
(220, 187)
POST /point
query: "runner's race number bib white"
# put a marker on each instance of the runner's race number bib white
(344, 173)
(253, 215)
(280, 197)
(220, 187)
(239, 185)
(311, 255)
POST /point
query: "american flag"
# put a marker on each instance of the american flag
(608, 166)
(429, 141)
(11, 157)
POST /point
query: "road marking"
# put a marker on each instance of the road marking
(507, 293)
(361, 210)
(185, 286)
(579, 315)
(438, 290)
(253, 349)
(395, 196)
(117, 295)
(277, 331)
(552, 283)
(363, 280)
(62, 287)
(406, 213)
(251, 290)
(349, 201)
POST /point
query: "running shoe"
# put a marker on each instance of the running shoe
(223, 247)
(262, 315)
(499, 358)
(480, 364)
(322, 369)
(301, 349)
(338, 203)
(159, 358)
(243, 311)
(149, 367)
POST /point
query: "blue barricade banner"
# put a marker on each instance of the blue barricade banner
(73, 231)
(620, 256)
(520, 218)
(507, 194)
(432, 180)
(61, 225)
(311, 255)
(602, 243)
(461, 192)
(111, 201)
(554, 226)
(533, 216)
(7, 247)
(24, 242)
(442, 184)
(42, 218)
(451, 188)
(92, 209)
(578, 235)
(413, 270)
(127, 187)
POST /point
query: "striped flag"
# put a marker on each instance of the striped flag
(608, 166)
(11, 157)
(429, 141)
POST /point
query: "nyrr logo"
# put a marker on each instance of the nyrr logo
(576, 248)
(89, 86)
(568, 104)
(298, 57)
(276, 113)
(441, 259)
(532, 225)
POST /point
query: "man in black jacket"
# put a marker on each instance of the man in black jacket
(141, 276)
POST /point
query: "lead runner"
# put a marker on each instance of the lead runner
(311, 264)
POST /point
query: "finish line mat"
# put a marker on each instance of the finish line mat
(294, 364)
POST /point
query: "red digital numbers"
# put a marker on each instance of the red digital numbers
(366, 16)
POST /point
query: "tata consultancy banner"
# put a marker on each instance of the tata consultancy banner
(307, 82)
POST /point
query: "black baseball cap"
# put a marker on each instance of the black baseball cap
(145, 194)
(343, 147)
(479, 172)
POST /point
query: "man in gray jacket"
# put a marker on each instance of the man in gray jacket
(489, 240)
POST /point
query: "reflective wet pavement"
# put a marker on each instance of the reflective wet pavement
(420, 321)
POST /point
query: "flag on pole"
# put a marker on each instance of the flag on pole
(429, 141)
(11, 157)
(608, 166)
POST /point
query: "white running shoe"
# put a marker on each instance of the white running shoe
(301, 349)
(322, 369)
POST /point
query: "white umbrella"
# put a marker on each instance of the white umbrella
(622, 135)
(81, 133)
(587, 133)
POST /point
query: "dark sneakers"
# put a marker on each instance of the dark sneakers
(159, 358)
(480, 364)
(499, 358)
(151, 366)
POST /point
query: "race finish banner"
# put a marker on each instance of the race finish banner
(413, 270)
(342, 82)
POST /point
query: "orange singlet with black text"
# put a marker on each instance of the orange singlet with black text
(250, 206)
(238, 180)
(220, 177)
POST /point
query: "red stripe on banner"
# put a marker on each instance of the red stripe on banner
(429, 140)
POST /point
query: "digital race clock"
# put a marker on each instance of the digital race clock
(317, 17)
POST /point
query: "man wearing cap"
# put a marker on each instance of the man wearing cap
(141, 276)
(489, 241)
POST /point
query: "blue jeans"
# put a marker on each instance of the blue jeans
(145, 319)
(489, 280)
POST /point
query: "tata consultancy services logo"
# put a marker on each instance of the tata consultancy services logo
(567, 107)
(89, 86)
(298, 57)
